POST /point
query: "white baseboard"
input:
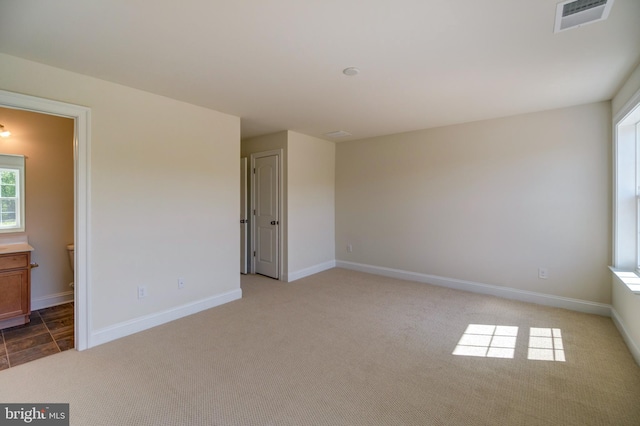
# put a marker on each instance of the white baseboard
(309, 271)
(52, 300)
(505, 292)
(633, 346)
(136, 325)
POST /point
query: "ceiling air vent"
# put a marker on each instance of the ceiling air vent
(338, 134)
(571, 14)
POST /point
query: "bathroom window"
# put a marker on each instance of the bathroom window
(9, 199)
(11, 193)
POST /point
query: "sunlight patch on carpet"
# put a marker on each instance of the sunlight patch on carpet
(499, 341)
(545, 344)
(490, 341)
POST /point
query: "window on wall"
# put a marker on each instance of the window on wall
(627, 193)
(12, 193)
(9, 198)
(635, 130)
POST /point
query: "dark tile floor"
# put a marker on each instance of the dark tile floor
(50, 331)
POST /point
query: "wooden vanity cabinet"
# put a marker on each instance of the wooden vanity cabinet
(15, 289)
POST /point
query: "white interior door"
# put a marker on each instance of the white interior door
(266, 215)
(243, 215)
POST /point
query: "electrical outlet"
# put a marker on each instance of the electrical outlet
(142, 292)
(543, 273)
(180, 282)
(349, 248)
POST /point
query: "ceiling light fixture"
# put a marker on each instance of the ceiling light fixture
(351, 71)
(4, 132)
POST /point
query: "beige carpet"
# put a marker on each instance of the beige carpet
(342, 348)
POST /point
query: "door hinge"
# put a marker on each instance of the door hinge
(254, 254)
(254, 170)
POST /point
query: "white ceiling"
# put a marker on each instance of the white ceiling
(278, 64)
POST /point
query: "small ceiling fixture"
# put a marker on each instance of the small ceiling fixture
(338, 134)
(4, 132)
(351, 71)
(574, 13)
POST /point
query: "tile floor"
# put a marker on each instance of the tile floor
(50, 331)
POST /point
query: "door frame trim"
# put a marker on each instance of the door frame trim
(244, 215)
(281, 217)
(82, 191)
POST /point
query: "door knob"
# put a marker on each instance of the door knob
(274, 222)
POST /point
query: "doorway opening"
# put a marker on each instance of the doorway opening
(81, 187)
(43, 145)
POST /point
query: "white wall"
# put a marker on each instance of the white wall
(626, 305)
(311, 205)
(164, 195)
(627, 90)
(486, 202)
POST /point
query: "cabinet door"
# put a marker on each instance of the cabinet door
(14, 293)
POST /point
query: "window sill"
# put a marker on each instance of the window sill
(629, 278)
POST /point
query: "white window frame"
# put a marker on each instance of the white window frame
(626, 194)
(16, 162)
(637, 171)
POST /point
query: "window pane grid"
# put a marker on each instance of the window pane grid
(9, 199)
